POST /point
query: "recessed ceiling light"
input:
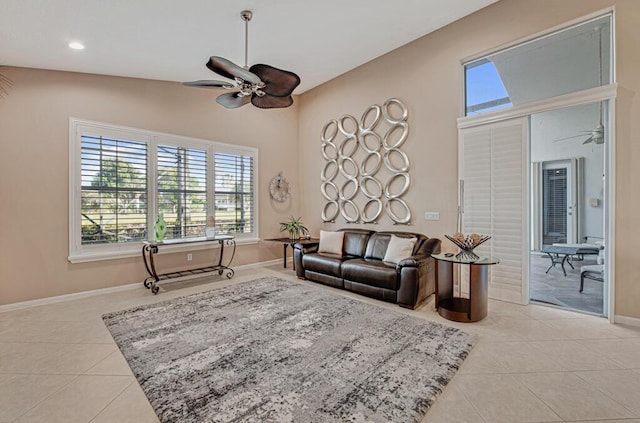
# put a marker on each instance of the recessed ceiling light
(76, 45)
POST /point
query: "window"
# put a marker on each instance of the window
(566, 61)
(122, 178)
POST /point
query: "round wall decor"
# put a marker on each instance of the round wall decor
(279, 188)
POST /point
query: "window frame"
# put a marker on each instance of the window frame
(79, 253)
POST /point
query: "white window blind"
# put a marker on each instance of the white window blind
(182, 190)
(494, 203)
(234, 193)
(113, 190)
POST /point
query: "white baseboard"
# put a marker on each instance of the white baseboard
(624, 320)
(102, 291)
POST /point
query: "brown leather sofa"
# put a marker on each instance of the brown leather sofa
(360, 268)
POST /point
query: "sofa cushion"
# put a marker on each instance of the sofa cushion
(331, 242)
(379, 241)
(326, 263)
(371, 272)
(399, 249)
(355, 241)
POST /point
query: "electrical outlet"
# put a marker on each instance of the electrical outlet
(431, 215)
(189, 257)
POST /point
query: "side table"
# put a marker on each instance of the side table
(459, 309)
(288, 241)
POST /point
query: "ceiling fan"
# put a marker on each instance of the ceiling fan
(263, 86)
(595, 135)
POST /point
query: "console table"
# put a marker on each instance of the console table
(459, 309)
(151, 248)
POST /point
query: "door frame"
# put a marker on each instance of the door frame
(604, 93)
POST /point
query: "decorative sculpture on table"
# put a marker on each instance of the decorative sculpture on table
(467, 244)
(210, 229)
(353, 164)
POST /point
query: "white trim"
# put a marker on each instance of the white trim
(86, 294)
(136, 251)
(592, 95)
(624, 320)
(79, 253)
(610, 212)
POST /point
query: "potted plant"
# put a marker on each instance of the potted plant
(294, 227)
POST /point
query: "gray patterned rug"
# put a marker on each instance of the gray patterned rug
(271, 350)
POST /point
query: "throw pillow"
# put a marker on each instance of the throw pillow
(331, 242)
(399, 249)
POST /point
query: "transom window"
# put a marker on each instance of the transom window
(122, 178)
(567, 61)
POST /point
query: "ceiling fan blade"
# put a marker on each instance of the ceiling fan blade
(588, 140)
(568, 138)
(228, 69)
(278, 82)
(232, 100)
(209, 84)
(271, 102)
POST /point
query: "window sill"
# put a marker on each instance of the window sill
(136, 251)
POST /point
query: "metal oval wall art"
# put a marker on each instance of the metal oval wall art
(355, 152)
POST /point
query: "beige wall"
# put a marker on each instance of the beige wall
(34, 162)
(426, 75)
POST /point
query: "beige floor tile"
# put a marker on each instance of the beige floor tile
(609, 421)
(504, 399)
(572, 398)
(79, 401)
(23, 392)
(481, 360)
(591, 328)
(572, 355)
(621, 385)
(625, 352)
(519, 357)
(114, 364)
(452, 407)
(131, 406)
(47, 358)
(539, 312)
(85, 331)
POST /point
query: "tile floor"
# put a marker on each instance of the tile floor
(58, 363)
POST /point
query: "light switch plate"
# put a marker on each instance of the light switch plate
(431, 215)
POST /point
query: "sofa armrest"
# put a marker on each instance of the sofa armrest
(413, 261)
(417, 280)
(299, 250)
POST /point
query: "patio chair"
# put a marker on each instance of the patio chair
(593, 271)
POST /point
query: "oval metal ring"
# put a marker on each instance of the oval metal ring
(363, 141)
(387, 114)
(365, 115)
(331, 218)
(323, 134)
(376, 168)
(356, 186)
(324, 150)
(344, 214)
(325, 194)
(353, 121)
(346, 142)
(405, 187)
(397, 220)
(342, 168)
(323, 174)
(387, 161)
(372, 219)
(365, 191)
(391, 130)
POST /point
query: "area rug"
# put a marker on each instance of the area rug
(271, 350)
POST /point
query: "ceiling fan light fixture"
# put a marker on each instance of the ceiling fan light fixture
(265, 86)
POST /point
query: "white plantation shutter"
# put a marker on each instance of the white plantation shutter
(493, 167)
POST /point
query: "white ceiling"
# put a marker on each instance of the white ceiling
(171, 40)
